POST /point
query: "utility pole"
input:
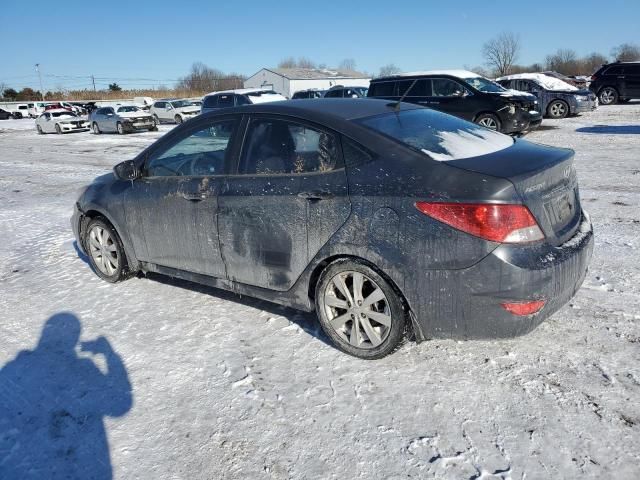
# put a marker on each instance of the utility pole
(93, 79)
(40, 77)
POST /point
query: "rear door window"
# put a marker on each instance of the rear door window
(278, 146)
(210, 102)
(632, 70)
(382, 89)
(225, 101)
(615, 70)
(337, 93)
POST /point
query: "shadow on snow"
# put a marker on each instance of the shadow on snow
(611, 129)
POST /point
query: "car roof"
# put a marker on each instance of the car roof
(451, 73)
(241, 91)
(322, 109)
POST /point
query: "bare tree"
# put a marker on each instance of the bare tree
(302, 62)
(389, 69)
(591, 63)
(501, 52)
(564, 61)
(205, 79)
(626, 52)
(347, 64)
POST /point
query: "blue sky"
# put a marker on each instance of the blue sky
(144, 43)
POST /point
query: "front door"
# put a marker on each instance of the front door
(451, 97)
(173, 209)
(288, 197)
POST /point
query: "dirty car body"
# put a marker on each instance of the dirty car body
(271, 230)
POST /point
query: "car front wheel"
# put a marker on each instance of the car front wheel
(558, 109)
(106, 253)
(39, 128)
(178, 119)
(359, 310)
(58, 129)
(120, 128)
(489, 120)
(608, 96)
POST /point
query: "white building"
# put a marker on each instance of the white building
(287, 81)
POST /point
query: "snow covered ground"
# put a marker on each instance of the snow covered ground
(229, 387)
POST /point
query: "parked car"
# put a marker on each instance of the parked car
(4, 114)
(339, 91)
(464, 94)
(57, 106)
(616, 82)
(121, 119)
(242, 96)
(60, 121)
(20, 110)
(556, 98)
(144, 103)
(173, 111)
(436, 227)
(35, 109)
(310, 93)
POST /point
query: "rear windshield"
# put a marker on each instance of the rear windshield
(440, 136)
(128, 109)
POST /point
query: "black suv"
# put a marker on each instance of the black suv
(340, 91)
(463, 94)
(616, 82)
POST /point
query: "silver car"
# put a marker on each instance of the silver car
(122, 119)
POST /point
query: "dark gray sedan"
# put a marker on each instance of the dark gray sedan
(389, 220)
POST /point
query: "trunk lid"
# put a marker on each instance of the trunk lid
(544, 177)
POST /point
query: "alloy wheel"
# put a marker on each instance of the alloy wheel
(488, 122)
(103, 250)
(608, 96)
(357, 309)
(558, 110)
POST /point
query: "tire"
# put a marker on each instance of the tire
(120, 128)
(351, 310)
(39, 128)
(95, 128)
(156, 119)
(101, 241)
(178, 119)
(558, 109)
(58, 129)
(489, 120)
(608, 96)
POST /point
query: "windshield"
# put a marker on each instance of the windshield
(440, 136)
(63, 114)
(484, 85)
(128, 109)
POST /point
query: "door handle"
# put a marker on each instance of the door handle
(195, 196)
(316, 195)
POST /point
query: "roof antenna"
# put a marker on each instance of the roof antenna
(396, 105)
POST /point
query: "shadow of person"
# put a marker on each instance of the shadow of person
(52, 404)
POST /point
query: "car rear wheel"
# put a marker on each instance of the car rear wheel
(39, 128)
(95, 128)
(558, 109)
(58, 129)
(489, 120)
(106, 253)
(120, 128)
(608, 96)
(359, 310)
(156, 119)
(178, 119)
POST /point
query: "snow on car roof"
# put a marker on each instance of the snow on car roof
(547, 82)
(453, 73)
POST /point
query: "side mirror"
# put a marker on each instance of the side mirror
(127, 170)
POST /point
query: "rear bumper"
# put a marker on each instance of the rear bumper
(467, 303)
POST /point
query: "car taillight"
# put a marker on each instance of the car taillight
(495, 222)
(523, 308)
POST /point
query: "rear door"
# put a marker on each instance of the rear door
(172, 210)
(632, 80)
(288, 197)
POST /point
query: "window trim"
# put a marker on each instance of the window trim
(230, 151)
(235, 171)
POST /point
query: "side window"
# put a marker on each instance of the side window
(632, 69)
(203, 152)
(523, 85)
(615, 70)
(354, 154)
(282, 147)
(210, 102)
(444, 87)
(382, 89)
(334, 93)
(225, 101)
(242, 100)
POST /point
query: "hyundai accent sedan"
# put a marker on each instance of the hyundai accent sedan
(390, 220)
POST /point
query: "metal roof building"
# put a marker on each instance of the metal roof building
(287, 81)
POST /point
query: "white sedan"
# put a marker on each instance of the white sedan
(61, 121)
